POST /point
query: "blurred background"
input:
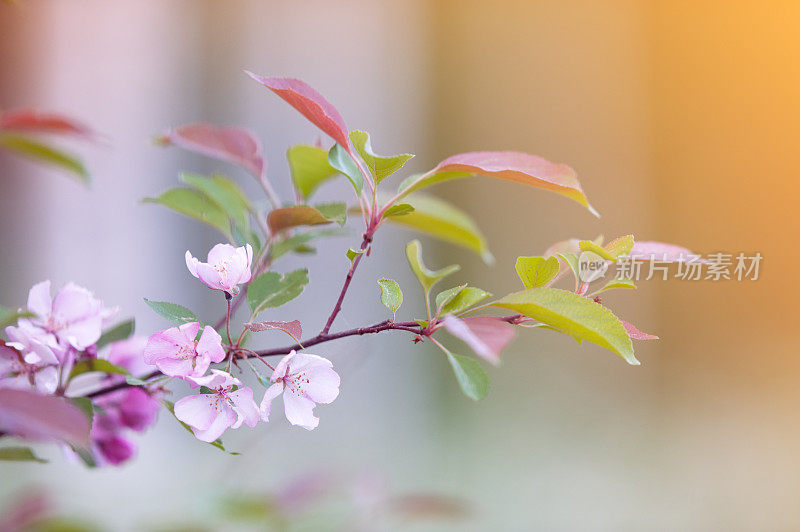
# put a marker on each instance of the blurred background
(681, 120)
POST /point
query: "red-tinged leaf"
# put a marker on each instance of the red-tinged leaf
(565, 246)
(232, 144)
(512, 166)
(32, 416)
(635, 333)
(486, 335)
(31, 120)
(292, 328)
(311, 104)
(661, 252)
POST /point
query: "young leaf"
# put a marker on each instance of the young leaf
(32, 416)
(442, 220)
(536, 271)
(616, 283)
(473, 380)
(194, 205)
(572, 262)
(173, 312)
(380, 167)
(391, 295)
(512, 166)
(292, 328)
(272, 289)
(635, 333)
(288, 217)
(44, 153)
(232, 144)
(398, 210)
(445, 296)
(135, 381)
(619, 247)
(466, 297)
(309, 167)
(299, 242)
(427, 278)
(353, 253)
(310, 104)
(486, 335)
(121, 331)
(19, 454)
(34, 121)
(9, 316)
(341, 160)
(575, 315)
(226, 194)
(96, 364)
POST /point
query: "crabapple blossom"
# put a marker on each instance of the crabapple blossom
(129, 354)
(37, 369)
(304, 380)
(73, 316)
(226, 268)
(175, 352)
(227, 406)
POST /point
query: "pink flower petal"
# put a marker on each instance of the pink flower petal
(210, 345)
(245, 407)
(266, 403)
(224, 420)
(661, 252)
(39, 301)
(323, 384)
(197, 411)
(299, 410)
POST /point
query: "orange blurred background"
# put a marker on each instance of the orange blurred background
(680, 119)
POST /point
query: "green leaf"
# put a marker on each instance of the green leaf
(135, 381)
(442, 220)
(391, 295)
(170, 406)
(575, 315)
(194, 205)
(173, 312)
(45, 153)
(617, 283)
(473, 380)
(19, 454)
(272, 289)
(461, 298)
(96, 364)
(85, 405)
(339, 159)
(380, 167)
(121, 331)
(427, 278)
(287, 217)
(298, 243)
(353, 253)
(619, 247)
(9, 316)
(309, 167)
(537, 271)
(572, 262)
(226, 195)
(398, 210)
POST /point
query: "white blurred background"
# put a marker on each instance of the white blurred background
(680, 120)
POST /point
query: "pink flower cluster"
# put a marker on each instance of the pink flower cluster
(303, 379)
(60, 331)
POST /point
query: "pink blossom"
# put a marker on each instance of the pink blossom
(27, 363)
(304, 380)
(211, 414)
(175, 352)
(129, 354)
(226, 268)
(74, 315)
